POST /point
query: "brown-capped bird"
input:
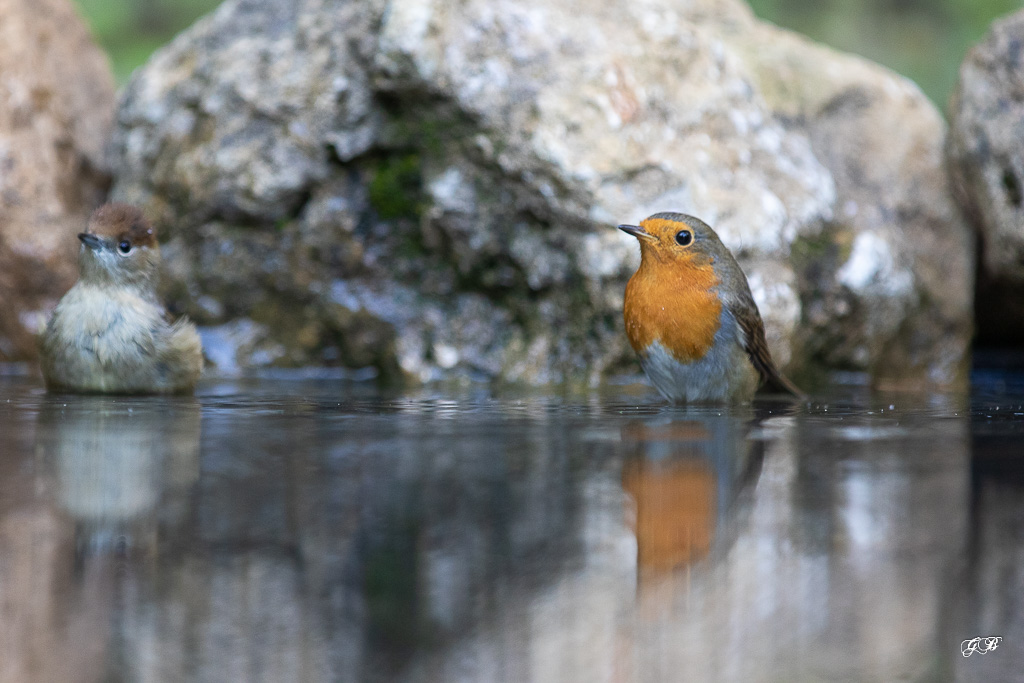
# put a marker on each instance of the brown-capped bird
(691, 319)
(110, 333)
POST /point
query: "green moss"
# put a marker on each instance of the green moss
(807, 250)
(396, 190)
(813, 256)
(431, 138)
(410, 247)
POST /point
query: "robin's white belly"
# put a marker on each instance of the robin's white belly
(724, 375)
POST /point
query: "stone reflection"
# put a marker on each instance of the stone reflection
(360, 550)
(990, 594)
(832, 561)
(299, 542)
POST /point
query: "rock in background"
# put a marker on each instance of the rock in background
(986, 159)
(56, 109)
(430, 188)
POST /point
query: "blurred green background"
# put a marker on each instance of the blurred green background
(130, 30)
(923, 39)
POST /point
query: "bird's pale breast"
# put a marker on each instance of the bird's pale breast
(102, 340)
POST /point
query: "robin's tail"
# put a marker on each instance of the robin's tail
(774, 382)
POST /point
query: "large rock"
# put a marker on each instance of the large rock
(986, 159)
(888, 284)
(431, 187)
(56, 108)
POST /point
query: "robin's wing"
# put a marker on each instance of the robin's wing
(746, 314)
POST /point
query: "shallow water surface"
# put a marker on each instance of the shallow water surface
(315, 531)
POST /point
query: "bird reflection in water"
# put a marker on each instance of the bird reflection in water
(104, 471)
(114, 460)
(685, 478)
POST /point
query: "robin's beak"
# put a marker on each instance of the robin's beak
(91, 241)
(638, 232)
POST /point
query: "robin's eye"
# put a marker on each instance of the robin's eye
(684, 237)
(124, 246)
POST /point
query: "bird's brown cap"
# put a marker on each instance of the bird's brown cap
(122, 222)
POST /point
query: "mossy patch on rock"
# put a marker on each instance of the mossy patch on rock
(396, 188)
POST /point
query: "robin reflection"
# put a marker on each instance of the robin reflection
(682, 477)
(675, 497)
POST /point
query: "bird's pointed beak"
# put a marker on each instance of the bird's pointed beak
(91, 241)
(638, 232)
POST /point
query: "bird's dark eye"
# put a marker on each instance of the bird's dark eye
(124, 246)
(684, 237)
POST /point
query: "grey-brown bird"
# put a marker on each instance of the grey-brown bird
(690, 316)
(110, 333)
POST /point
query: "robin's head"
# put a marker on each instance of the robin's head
(675, 238)
(119, 247)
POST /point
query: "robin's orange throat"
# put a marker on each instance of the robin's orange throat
(673, 302)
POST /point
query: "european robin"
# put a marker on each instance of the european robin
(110, 333)
(690, 316)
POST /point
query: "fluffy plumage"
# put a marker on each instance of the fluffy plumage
(110, 333)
